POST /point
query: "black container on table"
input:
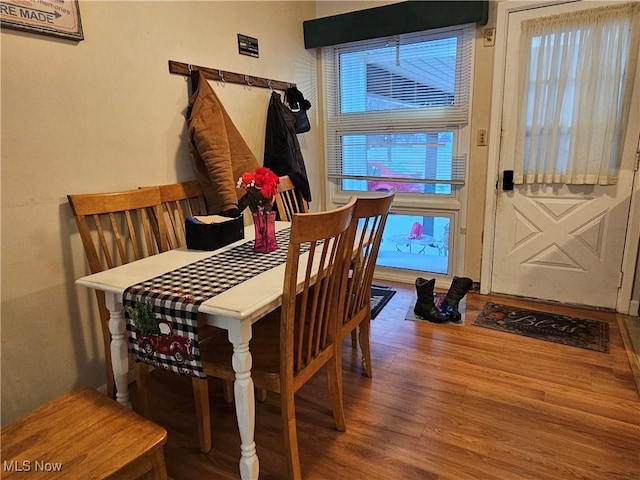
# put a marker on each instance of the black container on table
(211, 236)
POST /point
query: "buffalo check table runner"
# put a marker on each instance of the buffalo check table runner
(175, 297)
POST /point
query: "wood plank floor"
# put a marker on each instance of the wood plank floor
(446, 402)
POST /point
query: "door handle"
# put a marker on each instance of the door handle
(507, 180)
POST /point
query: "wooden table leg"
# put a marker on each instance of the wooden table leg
(119, 349)
(239, 336)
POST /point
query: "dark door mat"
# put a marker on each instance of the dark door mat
(575, 332)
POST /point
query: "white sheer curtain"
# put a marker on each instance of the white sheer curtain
(576, 76)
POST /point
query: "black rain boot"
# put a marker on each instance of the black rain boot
(458, 289)
(425, 307)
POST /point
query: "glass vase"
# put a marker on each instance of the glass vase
(265, 227)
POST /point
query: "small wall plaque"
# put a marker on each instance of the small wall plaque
(247, 46)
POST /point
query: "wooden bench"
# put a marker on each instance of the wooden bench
(83, 435)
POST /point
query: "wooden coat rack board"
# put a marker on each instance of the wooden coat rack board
(231, 77)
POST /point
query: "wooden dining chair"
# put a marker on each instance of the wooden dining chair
(367, 226)
(83, 435)
(118, 228)
(289, 346)
(179, 201)
(289, 200)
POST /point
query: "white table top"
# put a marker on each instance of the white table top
(249, 299)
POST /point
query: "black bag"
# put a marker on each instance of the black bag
(298, 106)
(302, 124)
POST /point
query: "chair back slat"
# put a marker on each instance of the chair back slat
(95, 265)
(148, 226)
(129, 229)
(309, 320)
(289, 200)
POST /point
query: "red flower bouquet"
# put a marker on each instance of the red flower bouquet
(262, 187)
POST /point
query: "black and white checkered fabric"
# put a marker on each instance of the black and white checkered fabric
(176, 296)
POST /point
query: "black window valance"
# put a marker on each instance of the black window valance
(394, 19)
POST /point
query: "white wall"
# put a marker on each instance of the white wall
(105, 114)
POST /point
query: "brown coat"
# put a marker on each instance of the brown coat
(219, 153)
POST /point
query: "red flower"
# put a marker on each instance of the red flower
(248, 178)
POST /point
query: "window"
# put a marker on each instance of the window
(416, 242)
(396, 114)
(395, 108)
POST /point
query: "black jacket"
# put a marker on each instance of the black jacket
(281, 147)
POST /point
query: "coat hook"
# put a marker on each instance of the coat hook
(221, 74)
(246, 79)
(190, 67)
(269, 85)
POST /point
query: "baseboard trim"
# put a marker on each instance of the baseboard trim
(634, 308)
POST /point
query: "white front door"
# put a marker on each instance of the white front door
(559, 242)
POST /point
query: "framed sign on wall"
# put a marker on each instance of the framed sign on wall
(58, 18)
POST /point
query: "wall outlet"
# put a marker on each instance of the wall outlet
(481, 138)
(489, 35)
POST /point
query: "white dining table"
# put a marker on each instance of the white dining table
(234, 310)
